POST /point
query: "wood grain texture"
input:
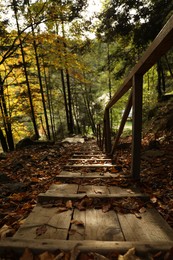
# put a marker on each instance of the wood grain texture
(45, 223)
(97, 226)
(151, 227)
(63, 188)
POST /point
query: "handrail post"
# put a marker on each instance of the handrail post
(136, 125)
(122, 124)
(107, 132)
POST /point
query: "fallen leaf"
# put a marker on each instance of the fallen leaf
(130, 255)
(41, 230)
(106, 208)
(98, 256)
(77, 222)
(75, 252)
(27, 255)
(142, 210)
(5, 230)
(98, 191)
(61, 209)
(138, 215)
(153, 199)
(60, 256)
(46, 256)
(69, 204)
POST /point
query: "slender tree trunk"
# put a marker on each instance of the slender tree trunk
(169, 66)
(40, 80)
(25, 71)
(86, 101)
(109, 82)
(49, 98)
(71, 122)
(6, 117)
(3, 141)
(65, 100)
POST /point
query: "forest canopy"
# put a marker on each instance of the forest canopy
(60, 63)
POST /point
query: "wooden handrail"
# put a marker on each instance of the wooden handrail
(161, 44)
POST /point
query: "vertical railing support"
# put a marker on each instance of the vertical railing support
(123, 121)
(107, 128)
(136, 125)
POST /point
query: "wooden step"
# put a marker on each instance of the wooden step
(143, 249)
(89, 160)
(94, 165)
(90, 214)
(90, 175)
(70, 190)
(51, 222)
(81, 155)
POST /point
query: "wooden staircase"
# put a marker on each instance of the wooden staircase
(89, 208)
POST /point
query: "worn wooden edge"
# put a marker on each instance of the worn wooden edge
(99, 177)
(43, 197)
(89, 159)
(51, 245)
(89, 165)
(74, 175)
(89, 154)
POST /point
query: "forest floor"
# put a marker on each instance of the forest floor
(27, 172)
(31, 170)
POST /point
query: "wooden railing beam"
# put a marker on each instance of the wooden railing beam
(161, 44)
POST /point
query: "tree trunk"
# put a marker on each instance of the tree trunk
(3, 141)
(71, 122)
(6, 117)
(40, 80)
(25, 71)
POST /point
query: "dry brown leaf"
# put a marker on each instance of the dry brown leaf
(27, 255)
(77, 222)
(61, 209)
(5, 230)
(69, 204)
(98, 256)
(75, 252)
(142, 210)
(46, 256)
(98, 191)
(130, 255)
(60, 256)
(138, 215)
(41, 230)
(106, 208)
(153, 199)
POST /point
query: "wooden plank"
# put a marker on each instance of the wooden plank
(42, 245)
(89, 165)
(90, 155)
(90, 159)
(69, 174)
(122, 191)
(150, 228)
(97, 226)
(77, 232)
(93, 189)
(45, 223)
(62, 189)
